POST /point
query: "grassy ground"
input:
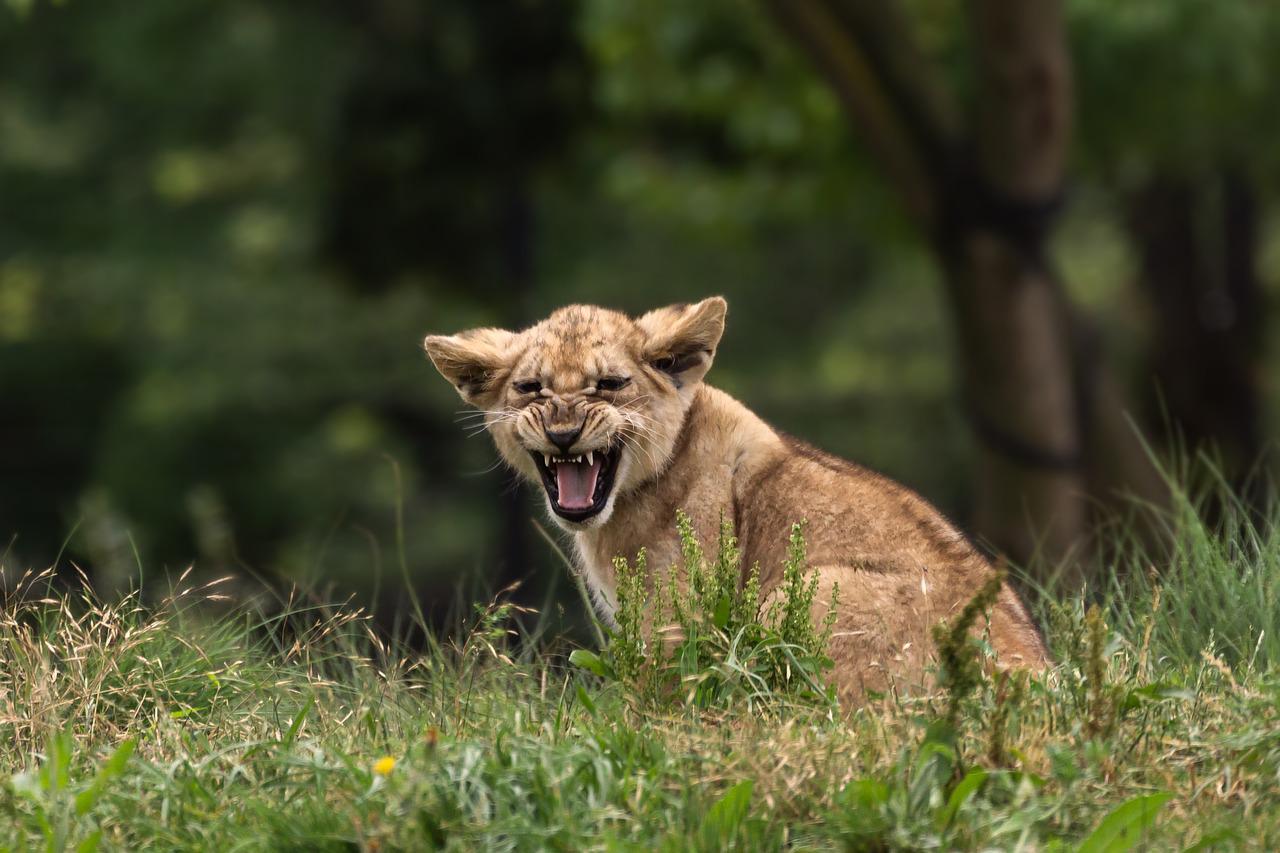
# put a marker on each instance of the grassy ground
(165, 728)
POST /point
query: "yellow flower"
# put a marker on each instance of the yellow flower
(384, 765)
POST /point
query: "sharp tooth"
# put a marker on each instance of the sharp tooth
(591, 459)
(546, 457)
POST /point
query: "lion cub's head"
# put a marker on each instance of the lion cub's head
(589, 402)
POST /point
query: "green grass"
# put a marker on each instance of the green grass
(169, 727)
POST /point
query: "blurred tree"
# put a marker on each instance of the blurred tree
(1197, 245)
(1185, 137)
(454, 111)
(987, 198)
(57, 398)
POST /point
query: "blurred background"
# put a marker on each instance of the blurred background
(971, 245)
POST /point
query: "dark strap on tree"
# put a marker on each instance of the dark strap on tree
(1025, 222)
(1084, 367)
(971, 203)
(1018, 450)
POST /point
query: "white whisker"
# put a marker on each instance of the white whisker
(636, 447)
(640, 428)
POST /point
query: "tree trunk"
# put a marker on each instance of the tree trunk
(1014, 325)
(1016, 366)
(1197, 247)
(988, 204)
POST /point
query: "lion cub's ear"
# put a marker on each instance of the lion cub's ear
(681, 340)
(475, 362)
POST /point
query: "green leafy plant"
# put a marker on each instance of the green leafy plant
(1125, 826)
(1103, 702)
(60, 802)
(726, 820)
(960, 656)
(700, 632)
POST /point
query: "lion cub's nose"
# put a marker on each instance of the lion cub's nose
(564, 438)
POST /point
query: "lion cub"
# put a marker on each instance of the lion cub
(610, 416)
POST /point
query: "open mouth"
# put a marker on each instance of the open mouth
(579, 485)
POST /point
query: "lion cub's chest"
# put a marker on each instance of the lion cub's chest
(595, 560)
(596, 555)
(598, 574)
(701, 485)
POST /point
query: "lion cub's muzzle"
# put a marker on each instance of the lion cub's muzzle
(578, 482)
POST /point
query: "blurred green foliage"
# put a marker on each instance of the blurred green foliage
(226, 226)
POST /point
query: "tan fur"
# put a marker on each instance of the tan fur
(901, 567)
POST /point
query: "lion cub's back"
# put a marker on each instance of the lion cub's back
(853, 516)
(900, 565)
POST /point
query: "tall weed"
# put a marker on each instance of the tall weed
(700, 634)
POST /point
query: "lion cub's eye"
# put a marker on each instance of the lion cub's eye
(667, 364)
(612, 383)
(527, 386)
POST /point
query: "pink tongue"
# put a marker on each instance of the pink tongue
(576, 482)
